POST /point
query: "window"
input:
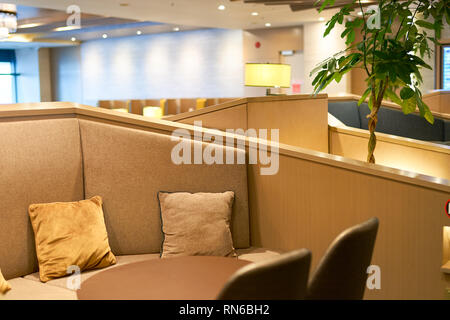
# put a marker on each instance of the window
(445, 67)
(7, 77)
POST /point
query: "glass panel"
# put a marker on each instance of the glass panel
(5, 67)
(446, 68)
(6, 89)
(6, 83)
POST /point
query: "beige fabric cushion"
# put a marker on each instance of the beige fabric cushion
(40, 162)
(196, 224)
(128, 167)
(254, 254)
(121, 261)
(23, 289)
(4, 285)
(70, 234)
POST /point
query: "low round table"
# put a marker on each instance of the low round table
(178, 278)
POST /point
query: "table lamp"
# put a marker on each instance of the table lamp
(271, 75)
(153, 112)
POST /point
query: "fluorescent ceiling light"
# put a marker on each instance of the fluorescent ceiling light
(221, 7)
(268, 24)
(66, 28)
(255, 13)
(29, 25)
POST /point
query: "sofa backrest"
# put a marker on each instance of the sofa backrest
(127, 167)
(446, 130)
(412, 126)
(40, 161)
(69, 159)
(391, 121)
(346, 111)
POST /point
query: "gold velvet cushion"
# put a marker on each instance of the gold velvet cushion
(4, 286)
(196, 224)
(70, 233)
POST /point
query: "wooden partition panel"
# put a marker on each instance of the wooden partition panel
(309, 202)
(438, 101)
(230, 118)
(302, 123)
(136, 106)
(106, 104)
(301, 119)
(172, 106)
(392, 151)
(187, 105)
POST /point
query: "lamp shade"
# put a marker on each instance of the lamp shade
(154, 112)
(268, 75)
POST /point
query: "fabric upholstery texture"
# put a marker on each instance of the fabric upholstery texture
(4, 285)
(23, 289)
(128, 167)
(412, 126)
(70, 233)
(447, 130)
(121, 261)
(196, 224)
(40, 162)
(345, 111)
(255, 254)
(391, 121)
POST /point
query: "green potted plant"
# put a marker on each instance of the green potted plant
(396, 35)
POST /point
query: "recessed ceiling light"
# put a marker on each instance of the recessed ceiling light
(73, 39)
(139, 32)
(176, 29)
(360, 13)
(255, 13)
(221, 7)
(268, 24)
(321, 19)
(104, 36)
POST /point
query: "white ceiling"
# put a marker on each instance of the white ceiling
(201, 13)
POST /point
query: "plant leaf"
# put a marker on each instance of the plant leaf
(406, 93)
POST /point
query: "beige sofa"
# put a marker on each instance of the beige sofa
(69, 159)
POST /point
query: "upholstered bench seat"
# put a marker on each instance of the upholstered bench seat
(30, 287)
(392, 121)
(69, 159)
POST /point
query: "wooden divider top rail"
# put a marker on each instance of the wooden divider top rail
(419, 144)
(26, 111)
(438, 101)
(241, 101)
